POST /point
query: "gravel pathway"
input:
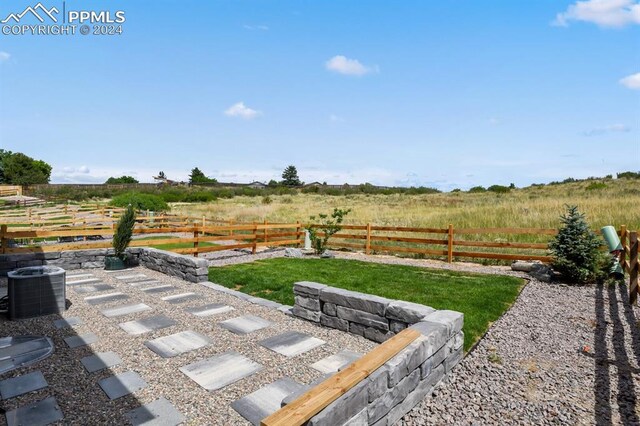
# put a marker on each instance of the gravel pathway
(79, 394)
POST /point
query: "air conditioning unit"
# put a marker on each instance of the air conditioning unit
(35, 291)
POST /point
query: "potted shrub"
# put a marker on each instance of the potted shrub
(121, 240)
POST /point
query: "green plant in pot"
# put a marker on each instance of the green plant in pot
(121, 240)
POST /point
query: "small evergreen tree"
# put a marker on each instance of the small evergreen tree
(197, 176)
(329, 225)
(290, 176)
(576, 250)
(124, 231)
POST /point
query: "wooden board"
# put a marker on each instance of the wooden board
(313, 401)
(535, 231)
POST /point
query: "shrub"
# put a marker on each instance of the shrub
(124, 231)
(596, 185)
(198, 197)
(329, 225)
(628, 175)
(499, 189)
(576, 250)
(140, 201)
(266, 200)
(477, 189)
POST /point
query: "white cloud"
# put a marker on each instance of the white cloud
(4, 56)
(604, 13)
(613, 128)
(343, 65)
(256, 27)
(241, 110)
(631, 81)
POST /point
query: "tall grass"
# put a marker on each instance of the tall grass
(616, 202)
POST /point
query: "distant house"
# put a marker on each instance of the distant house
(307, 185)
(256, 185)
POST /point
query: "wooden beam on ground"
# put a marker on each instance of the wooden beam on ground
(312, 402)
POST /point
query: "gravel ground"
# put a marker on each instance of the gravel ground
(81, 399)
(560, 355)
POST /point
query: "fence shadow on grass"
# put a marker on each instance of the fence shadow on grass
(626, 398)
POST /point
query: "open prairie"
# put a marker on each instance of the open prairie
(604, 201)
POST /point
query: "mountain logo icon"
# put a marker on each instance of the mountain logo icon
(34, 11)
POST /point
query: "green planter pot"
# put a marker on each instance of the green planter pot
(113, 263)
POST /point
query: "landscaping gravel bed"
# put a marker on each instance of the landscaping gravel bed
(560, 355)
(81, 399)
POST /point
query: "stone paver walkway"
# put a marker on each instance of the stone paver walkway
(164, 352)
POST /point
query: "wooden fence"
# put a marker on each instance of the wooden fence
(9, 190)
(65, 222)
(240, 236)
(446, 242)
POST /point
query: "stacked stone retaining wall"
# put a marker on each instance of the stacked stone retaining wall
(185, 267)
(394, 389)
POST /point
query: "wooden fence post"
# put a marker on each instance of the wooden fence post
(195, 241)
(633, 267)
(367, 245)
(450, 244)
(623, 253)
(298, 233)
(204, 221)
(3, 239)
(231, 223)
(255, 238)
(264, 237)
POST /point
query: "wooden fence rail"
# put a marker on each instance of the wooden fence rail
(442, 241)
(244, 236)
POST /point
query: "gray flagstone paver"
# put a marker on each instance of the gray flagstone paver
(125, 310)
(67, 322)
(42, 412)
(83, 281)
(333, 363)
(100, 361)
(81, 340)
(122, 384)
(182, 297)
(157, 413)
(20, 385)
(178, 343)
(245, 324)
(146, 325)
(130, 277)
(144, 283)
(210, 309)
(221, 370)
(266, 400)
(92, 288)
(105, 298)
(158, 289)
(291, 343)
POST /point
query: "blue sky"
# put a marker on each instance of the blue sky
(444, 94)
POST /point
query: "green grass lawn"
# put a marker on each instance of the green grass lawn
(482, 298)
(173, 245)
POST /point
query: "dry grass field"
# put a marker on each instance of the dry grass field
(604, 201)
